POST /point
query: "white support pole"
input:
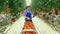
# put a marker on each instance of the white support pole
(28, 2)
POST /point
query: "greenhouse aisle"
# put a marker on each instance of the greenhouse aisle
(16, 28)
(40, 25)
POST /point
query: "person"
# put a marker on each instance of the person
(28, 14)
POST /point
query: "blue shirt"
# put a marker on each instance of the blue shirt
(27, 13)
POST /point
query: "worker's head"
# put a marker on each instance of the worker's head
(28, 7)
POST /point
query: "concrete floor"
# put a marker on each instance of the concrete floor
(40, 25)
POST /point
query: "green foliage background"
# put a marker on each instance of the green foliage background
(15, 5)
(49, 4)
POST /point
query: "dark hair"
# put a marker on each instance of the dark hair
(27, 7)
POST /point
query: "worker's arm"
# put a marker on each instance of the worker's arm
(31, 14)
(24, 13)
